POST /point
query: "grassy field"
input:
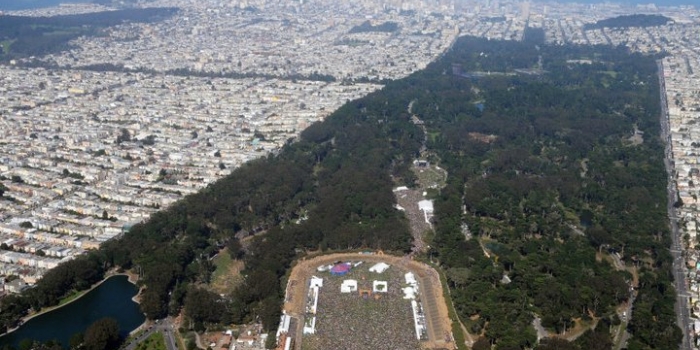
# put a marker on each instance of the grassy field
(227, 274)
(74, 295)
(347, 321)
(431, 177)
(154, 342)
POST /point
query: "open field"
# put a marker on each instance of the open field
(437, 320)
(154, 342)
(430, 176)
(227, 274)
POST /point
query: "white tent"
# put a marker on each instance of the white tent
(409, 293)
(323, 268)
(426, 205)
(310, 326)
(380, 286)
(348, 286)
(316, 282)
(410, 278)
(379, 268)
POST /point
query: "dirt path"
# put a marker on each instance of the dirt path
(432, 297)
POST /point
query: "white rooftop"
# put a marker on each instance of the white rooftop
(379, 267)
(426, 205)
(348, 286)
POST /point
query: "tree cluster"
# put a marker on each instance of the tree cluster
(629, 21)
(366, 27)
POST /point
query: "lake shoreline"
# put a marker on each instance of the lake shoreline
(130, 277)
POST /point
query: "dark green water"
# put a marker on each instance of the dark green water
(111, 299)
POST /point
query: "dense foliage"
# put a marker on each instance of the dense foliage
(545, 181)
(103, 334)
(629, 21)
(366, 27)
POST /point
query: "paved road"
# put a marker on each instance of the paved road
(165, 326)
(679, 272)
(621, 337)
(169, 335)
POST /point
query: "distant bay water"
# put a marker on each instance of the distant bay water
(14, 5)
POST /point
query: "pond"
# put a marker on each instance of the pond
(112, 298)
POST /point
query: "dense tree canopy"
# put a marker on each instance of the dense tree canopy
(548, 180)
(627, 21)
(103, 334)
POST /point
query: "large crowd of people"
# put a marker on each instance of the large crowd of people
(360, 320)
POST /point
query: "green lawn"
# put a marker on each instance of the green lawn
(226, 276)
(430, 177)
(222, 262)
(72, 296)
(154, 342)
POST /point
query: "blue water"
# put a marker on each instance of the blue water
(13, 5)
(111, 299)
